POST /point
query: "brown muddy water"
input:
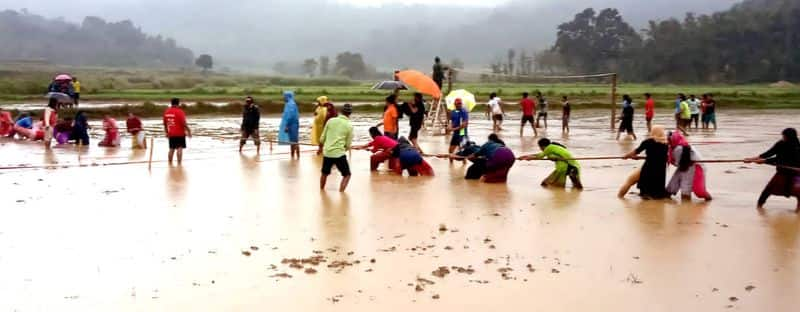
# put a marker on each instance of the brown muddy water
(240, 233)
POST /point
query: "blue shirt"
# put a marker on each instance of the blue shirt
(457, 117)
(488, 149)
(26, 123)
(678, 106)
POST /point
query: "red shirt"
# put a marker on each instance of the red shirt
(134, 125)
(528, 107)
(175, 121)
(650, 108)
(382, 143)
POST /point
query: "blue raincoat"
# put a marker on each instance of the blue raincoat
(290, 121)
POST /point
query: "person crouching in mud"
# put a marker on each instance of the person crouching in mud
(566, 166)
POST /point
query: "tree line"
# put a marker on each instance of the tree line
(27, 36)
(755, 41)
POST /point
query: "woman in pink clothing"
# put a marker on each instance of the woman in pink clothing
(112, 132)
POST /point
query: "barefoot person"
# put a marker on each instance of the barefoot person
(649, 110)
(528, 107)
(335, 141)
(177, 130)
(542, 109)
(391, 115)
(626, 122)
(290, 124)
(690, 175)
(785, 155)
(496, 109)
(651, 177)
(251, 119)
(320, 117)
(135, 129)
(49, 120)
(566, 167)
(709, 111)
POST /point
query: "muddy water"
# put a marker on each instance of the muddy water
(121, 238)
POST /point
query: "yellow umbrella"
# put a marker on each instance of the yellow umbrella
(467, 99)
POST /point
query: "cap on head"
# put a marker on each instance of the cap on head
(347, 109)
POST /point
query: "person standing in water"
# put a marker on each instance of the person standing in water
(694, 108)
(134, 127)
(528, 107)
(785, 155)
(684, 115)
(391, 115)
(495, 108)
(459, 121)
(651, 177)
(566, 166)
(76, 91)
(416, 117)
(176, 129)
(112, 132)
(709, 111)
(320, 117)
(626, 123)
(49, 119)
(566, 111)
(335, 141)
(542, 109)
(649, 110)
(290, 124)
(251, 119)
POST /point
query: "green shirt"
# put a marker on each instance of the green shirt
(557, 153)
(686, 113)
(336, 137)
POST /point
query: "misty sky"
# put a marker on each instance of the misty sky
(390, 33)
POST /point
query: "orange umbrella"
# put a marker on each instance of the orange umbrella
(421, 82)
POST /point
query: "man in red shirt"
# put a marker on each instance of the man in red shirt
(528, 111)
(176, 129)
(649, 110)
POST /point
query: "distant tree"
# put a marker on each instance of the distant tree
(511, 54)
(205, 61)
(350, 65)
(282, 68)
(596, 42)
(310, 67)
(496, 67)
(324, 65)
(549, 61)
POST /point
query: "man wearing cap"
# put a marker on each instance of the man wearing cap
(459, 120)
(337, 136)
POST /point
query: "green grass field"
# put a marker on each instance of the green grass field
(21, 84)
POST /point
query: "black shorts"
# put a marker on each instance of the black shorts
(177, 142)
(497, 117)
(527, 118)
(414, 132)
(341, 165)
(542, 114)
(456, 139)
(626, 126)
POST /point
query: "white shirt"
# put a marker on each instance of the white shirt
(694, 106)
(495, 106)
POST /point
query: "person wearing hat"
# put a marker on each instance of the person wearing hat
(459, 121)
(335, 141)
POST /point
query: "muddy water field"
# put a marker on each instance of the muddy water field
(92, 229)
